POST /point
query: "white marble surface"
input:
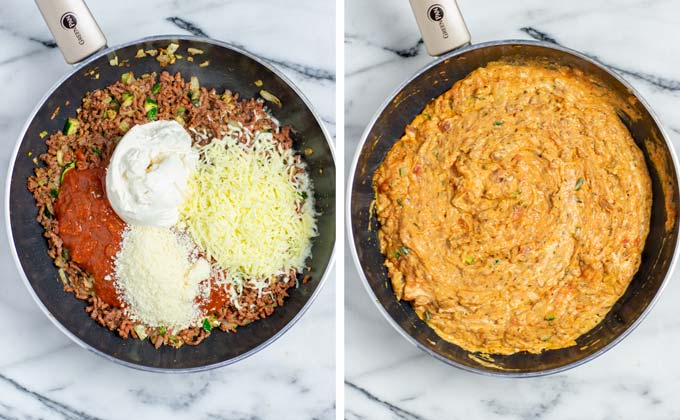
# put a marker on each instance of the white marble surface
(42, 374)
(387, 378)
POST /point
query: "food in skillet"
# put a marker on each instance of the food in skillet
(174, 210)
(514, 209)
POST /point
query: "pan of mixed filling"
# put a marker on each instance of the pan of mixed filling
(170, 202)
(512, 207)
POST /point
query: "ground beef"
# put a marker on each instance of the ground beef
(102, 120)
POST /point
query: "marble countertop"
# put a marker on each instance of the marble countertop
(42, 373)
(387, 378)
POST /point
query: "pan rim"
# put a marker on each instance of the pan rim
(10, 171)
(350, 234)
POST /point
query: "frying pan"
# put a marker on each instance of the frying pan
(444, 32)
(230, 68)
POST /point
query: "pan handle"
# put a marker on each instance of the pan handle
(441, 25)
(73, 27)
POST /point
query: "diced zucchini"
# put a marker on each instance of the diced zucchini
(127, 78)
(62, 276)
(115, 105)
(140, 330)
(60, 157)
(67, 168)
(123, 126)
(150, 104)
(151, 108)
(107, 100)
(111, 113)
(71, 126)
(175, 341)
(156, 88)
(127, 99)
(179, 115)
(194, 90)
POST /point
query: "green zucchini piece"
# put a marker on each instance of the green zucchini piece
(127, 78)
(194, 91)
(150, 104)
(141, 331)
(67, 168)
(71, 126)
(127, 99)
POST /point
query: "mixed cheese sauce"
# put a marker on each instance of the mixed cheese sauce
(514, 209)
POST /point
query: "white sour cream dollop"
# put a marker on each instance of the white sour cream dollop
(147, 176)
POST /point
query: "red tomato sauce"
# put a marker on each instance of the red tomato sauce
(217, 299)
(92, 232)
(90, 228)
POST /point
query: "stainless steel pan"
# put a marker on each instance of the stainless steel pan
(444, 33)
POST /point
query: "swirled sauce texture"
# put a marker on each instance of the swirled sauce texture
(514, 210)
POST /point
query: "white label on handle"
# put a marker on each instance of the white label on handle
(441, 25)
(73, 27)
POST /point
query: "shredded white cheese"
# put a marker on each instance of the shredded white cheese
(159, 276)
(249, 209)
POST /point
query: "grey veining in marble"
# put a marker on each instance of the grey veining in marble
(387, 378)
(45, 376)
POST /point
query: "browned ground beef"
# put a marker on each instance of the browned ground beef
(102, 122)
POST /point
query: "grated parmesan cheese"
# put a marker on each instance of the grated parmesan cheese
(242, 209)
(159, 275)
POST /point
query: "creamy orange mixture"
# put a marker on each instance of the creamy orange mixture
(514, 209)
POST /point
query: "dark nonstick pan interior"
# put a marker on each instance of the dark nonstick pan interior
(388, 127)
(228, 69)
